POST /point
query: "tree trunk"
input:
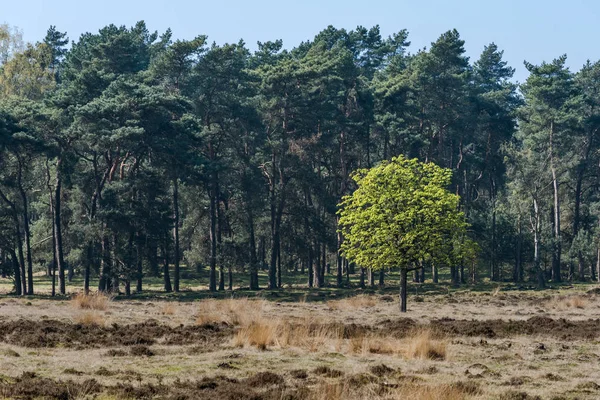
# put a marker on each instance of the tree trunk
(213, 242)
(536, 245)
(114, 278)
(598, 266)
(220, 225)
(276, 214)
(339, 259)
(176, 271)
(403, 289)
(362, 278)
(557, 247)
(52, 267)
(454, 276)
(17, 272)
(139, 265)
(316, 265)
(19, 239)
(105, 270)
(493, 262)
(323, 268)
(252, 246)
(60, 259)
(166, 275)
(27, 232)
(88, 265)
(279, 267)
(309, 266)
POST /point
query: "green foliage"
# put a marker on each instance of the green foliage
(131, 149)
(402, 215)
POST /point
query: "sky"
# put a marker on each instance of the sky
(532, 30)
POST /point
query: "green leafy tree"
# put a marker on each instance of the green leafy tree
(400, 215)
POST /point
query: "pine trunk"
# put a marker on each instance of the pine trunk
(176, 272)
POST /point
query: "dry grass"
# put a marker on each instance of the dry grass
(93, 301)
(168, 309)
(307, 334)
(422, 346)
(241, 312)
(438, 392)
(310, 334)
(90, 318)
(260, 334)
(344, 391)
(352, 303)
(369, 344)
(314, 335)
(567, 302)
(303, 336)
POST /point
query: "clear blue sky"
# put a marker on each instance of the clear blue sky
(532, 30)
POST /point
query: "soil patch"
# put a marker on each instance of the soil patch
(52, 333)
(30, 386)
(497, 328)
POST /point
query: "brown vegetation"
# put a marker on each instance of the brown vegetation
(351, 303)
(261, 386)
(567, 302)
(93, 301)
(52, 333)
(232, 311)
(90, 318)
(422, 346)
(304, 354)
(168, 309)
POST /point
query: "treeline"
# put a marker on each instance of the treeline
(128, 154)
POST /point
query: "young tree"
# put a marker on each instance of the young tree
(400, 215)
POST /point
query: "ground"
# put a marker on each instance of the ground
(484, 342)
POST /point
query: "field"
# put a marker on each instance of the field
(495, 342)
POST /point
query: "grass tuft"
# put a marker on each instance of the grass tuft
(240, 312)
(94, 301)
(90, 318)
(422, 346)
(260, 334)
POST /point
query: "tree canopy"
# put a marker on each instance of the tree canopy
(402, 215)
(128, 154)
